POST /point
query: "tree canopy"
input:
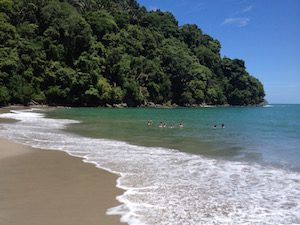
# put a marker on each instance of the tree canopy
(98, 52)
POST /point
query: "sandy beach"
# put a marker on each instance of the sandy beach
(40, 187)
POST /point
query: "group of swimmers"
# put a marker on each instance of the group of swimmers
(164, 125)
(215, 126)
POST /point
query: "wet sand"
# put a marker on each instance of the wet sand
(41, 187)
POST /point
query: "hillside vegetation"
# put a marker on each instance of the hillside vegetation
(98, 52)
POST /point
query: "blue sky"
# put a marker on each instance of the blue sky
(264, 33)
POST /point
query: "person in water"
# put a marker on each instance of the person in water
(181, 125)
(160, 125)
(223, 126)
(149, 123)
(214, 126)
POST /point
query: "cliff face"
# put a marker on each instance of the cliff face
(90, 53)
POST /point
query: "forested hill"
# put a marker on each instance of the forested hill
(98, 52)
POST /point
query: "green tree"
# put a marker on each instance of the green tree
(97, 52)
(4, 96)
(101, 22)
(177, 61)
(191, 35)
(163, 22)
(20, 91)
(75, 33)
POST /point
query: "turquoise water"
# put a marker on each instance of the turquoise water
(246, 173)
(267, 135)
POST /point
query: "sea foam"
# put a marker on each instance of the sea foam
(169, 187)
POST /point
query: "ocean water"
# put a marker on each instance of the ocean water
(246, 173)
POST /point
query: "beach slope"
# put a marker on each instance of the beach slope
(49, 187)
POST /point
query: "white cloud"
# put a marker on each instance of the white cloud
(244, 10)
(239, 22)
(247, 9)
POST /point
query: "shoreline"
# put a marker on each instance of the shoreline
(53, 187)
(124, 106)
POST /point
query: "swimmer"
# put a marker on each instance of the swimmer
(161, 125)
(215, 126)
(223, 126)
(164, 125)
(149, 123)
(181, 125)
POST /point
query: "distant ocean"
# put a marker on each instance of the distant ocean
(245, 173)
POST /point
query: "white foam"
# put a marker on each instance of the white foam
(165, 186)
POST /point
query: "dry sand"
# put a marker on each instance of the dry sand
(40, 187)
